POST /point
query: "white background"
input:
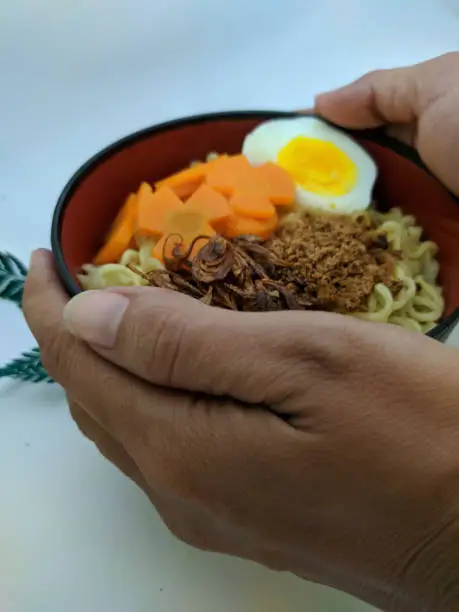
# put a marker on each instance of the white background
(75, 536)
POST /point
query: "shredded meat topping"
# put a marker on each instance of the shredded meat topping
(315, 261)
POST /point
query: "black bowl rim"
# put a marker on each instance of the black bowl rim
(378, 136)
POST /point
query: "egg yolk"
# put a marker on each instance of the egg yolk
(318, 166)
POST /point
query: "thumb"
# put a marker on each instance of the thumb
(175, 341)
(379, 98)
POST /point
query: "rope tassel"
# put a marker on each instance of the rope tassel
(28, 367)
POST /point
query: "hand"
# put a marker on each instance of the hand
(420, 104)
(309, 442)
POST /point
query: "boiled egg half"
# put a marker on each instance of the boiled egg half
(331, 171)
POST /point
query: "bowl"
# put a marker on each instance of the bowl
(92, 197)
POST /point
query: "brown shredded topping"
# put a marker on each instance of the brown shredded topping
(317, 261)
(335, 260)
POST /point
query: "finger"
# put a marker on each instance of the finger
(185, 445)
(178, 520)
(175, 341)
(108, 446)
(187, 523)
(396, 96)
(406, 133)
(42, 281)
(378, 98)
(115, 399)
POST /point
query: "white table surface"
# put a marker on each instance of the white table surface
(75, 536)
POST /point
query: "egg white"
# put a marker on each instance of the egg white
(265, 142)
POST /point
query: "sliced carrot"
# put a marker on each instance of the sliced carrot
(255, 205)
(154, 209)
(185, 190)
(120, 235)
(185, 182)
(239, 225)
(230, 174)
(253, 193)
(182, 227)
(193, 174)
(278, 183)
(212, 204)
(187, 222)
(235, 175)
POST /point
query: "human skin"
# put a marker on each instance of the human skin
(418, 104)
(308, 442)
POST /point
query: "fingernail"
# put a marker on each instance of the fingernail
(95, 316)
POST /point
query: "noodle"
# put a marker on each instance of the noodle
(419, 304)
(108, 275)
(119, 275)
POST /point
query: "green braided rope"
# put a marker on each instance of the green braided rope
(12, 278)
(28, 367)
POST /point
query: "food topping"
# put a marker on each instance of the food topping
(182, 228)
(121, 233)
(185, 182)
(154, 210)
(212, 204)
(252, 205)
(330, 170)
(242, 225)
(225, 194)
(315, 261)
(336, 259)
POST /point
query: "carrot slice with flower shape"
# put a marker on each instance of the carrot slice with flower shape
(154, 210)
(185, 182)
(120, 235)
(235, 175)
(181, 181)
(279, 185)
(254, 205)
(185, 190)
(212, 204)
(230, 174)
(181, 229)
(253, 191)
(240, 225)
